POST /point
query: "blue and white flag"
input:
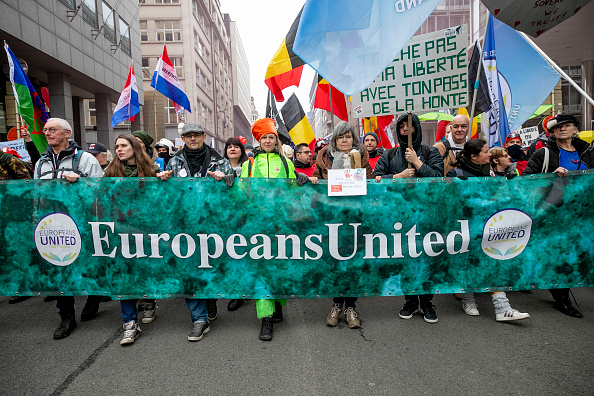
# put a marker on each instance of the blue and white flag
(128, 105)
(525, 78)
(350, 42)
(496, 115)
(165, 81)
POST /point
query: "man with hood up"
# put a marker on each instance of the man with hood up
(405, 162)
(66, 159)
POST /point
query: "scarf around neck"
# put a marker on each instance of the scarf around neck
(198, 160)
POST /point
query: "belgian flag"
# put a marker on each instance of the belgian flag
(322, 100)
(297, 123)
(285, 68)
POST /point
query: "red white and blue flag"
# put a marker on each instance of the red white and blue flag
(128, 105)
(165, 81)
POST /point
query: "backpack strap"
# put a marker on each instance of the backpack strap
(75, 164)
(545, 162)
(284, 160)
(391, 154)
(425, 152)
(251, 159)
(448, 147)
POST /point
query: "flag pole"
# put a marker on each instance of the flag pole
(331, 112)
(557, 68)
(476, 86)
(154, 90)
(410, 142)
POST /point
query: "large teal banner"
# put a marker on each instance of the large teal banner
(271, 238)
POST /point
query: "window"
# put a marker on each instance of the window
(196, 40)
(166, 1)
(146, 68)
(90, 116)
(143, 30)
(570, 97)
(89, 13)
(202, 81)
(108, 22)
(208, 86)
(69, 3)
(210, 117)
(125, 38)
(168, 31)
(200, 48)
(170, 112)
(178, 64)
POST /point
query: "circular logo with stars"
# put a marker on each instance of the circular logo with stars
(57, 239)
(506, 234)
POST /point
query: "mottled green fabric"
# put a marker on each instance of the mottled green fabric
(560, 252)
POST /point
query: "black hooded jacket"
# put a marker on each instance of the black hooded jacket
(535, 164)
(432, 166)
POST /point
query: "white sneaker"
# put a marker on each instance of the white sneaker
(131, 333)
(511, 314)
(470, 309)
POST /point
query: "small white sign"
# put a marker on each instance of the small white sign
(19, 146)
(345, 182)
(529, 135)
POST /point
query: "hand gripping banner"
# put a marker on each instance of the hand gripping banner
(273, 239)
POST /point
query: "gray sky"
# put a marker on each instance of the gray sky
(263, 24)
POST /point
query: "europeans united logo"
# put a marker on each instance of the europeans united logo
(506, 234)
(57, 239)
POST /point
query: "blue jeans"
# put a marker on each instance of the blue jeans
(129, 311)
(349, 302)
(198, 310)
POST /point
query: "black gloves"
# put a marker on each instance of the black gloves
(301, 179)
(229, 179)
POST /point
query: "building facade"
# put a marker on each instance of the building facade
(241, 82)
(199, 45)
(77, 50)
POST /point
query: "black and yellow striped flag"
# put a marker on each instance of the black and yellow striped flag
(296, 122)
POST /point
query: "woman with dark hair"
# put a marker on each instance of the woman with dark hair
(132, 161)
(474, 161)
(235, 153)
(345, 151)
(564, 152)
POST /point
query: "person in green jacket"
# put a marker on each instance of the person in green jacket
(269, 162)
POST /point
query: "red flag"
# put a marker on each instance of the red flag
(323, 99)
(440, 131)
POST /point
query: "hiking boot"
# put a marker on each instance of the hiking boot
(234, 305)
(66, 326)
(429, 313)
(211, 307)
(200, 328)
(408, 310)
(470, 309)
(89, 311)
(277, 316)
(131, 333)
(17, 299)
(150, 308)
(564, 305)
(332, 318)
(511, 314)
(266, 330)
(351, 318)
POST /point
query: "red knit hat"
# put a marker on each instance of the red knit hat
(263, 127)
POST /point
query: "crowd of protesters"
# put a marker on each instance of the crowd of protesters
(559, 152)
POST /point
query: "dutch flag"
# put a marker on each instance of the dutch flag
(128, 105)
(165, 81)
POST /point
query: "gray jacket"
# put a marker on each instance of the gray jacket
(72, 159)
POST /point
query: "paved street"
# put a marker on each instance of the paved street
(548, 354)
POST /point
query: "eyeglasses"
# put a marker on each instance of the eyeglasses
(51, 131)
(305, 152)
(193, 135)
